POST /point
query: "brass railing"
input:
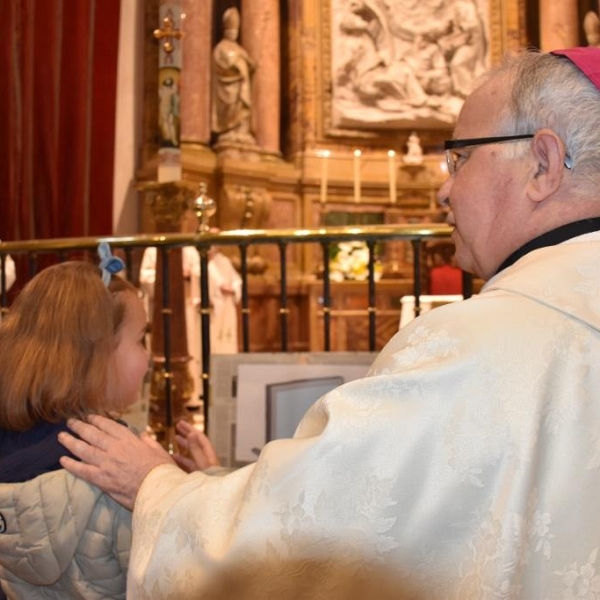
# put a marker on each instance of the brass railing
(37, 252)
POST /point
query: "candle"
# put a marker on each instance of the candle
(324, 156)
(357, 154)
(392, 168)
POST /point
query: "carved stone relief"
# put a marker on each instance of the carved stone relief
(405, 63)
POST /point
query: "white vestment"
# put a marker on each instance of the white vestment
(191, 269)
(225, 292)
(466, 465)
(223, 312)
(9, 272)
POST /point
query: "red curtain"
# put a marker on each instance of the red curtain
(58, 60)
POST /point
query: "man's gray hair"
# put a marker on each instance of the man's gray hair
(550, 92)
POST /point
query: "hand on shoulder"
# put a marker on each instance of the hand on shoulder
(112, 456)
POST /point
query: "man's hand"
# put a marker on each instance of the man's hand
(113, 457)
(201, 451)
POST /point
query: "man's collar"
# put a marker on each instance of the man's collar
(553, 237)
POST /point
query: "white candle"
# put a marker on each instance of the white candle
(324, 156)
(357, 154)
(392, 168)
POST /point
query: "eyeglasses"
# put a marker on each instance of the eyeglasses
(455, 159)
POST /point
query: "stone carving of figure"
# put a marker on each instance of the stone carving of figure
(465, 46)
(232, 84)
(414, 152)
(429, 65)
(372, 69)
(168, 114)
(404, 62)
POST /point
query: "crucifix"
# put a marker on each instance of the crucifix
(168, 32)
(169, 96)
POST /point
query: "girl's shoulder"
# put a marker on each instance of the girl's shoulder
(26, 454)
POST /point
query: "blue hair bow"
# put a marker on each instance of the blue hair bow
(109, 264)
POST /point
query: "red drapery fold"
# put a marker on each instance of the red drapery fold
(58, 60)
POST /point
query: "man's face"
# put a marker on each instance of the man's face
(485, 193)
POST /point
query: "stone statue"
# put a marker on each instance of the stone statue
(414, 152)
(168, 112)
(232, 85)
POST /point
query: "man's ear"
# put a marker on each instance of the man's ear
(549, 156)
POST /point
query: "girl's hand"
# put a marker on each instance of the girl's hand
(201, 452)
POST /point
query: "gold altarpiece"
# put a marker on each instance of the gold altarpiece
(283, 188)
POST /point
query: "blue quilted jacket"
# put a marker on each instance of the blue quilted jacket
(60, 537)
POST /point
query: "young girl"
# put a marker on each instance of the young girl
(71, 344)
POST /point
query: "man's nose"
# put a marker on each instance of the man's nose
(443, 194)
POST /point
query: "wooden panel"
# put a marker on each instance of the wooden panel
(265, 316)
(350, 314)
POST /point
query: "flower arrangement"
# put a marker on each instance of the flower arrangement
(350, 261)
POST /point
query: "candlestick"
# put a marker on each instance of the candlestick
(324, 156)
(392, 168)
(357, 154)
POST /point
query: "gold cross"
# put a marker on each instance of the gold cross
(168, 32)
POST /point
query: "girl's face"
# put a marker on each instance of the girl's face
(131, 357)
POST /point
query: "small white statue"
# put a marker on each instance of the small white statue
(414, 153)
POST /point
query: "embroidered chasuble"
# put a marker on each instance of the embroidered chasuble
(465, 465)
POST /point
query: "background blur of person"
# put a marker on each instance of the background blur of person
(9, 272)
(444, 276)
(224, 289)
(10, 277)
(190, 266)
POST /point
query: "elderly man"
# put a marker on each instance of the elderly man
(467, 463)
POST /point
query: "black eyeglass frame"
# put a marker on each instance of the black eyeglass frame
(450, 145)
(454, 144)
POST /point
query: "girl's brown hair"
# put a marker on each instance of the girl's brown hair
(57, 344)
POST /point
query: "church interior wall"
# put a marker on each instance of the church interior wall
(306, 129)
(336, 78)
(327, 105)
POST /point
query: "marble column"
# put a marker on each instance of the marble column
(559, 27)
(195, 72)
(260, 37)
